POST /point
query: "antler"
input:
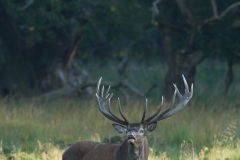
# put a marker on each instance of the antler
(106, 98)
(170, 111)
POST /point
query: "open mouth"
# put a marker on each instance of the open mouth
(131, 138)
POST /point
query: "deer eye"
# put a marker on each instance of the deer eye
(141, 131)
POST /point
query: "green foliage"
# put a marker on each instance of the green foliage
(38, 36)
(109, 27)
(106, 26)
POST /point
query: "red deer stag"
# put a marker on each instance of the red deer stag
(135, 146)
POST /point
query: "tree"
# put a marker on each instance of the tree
(41, 38)
(191, 32)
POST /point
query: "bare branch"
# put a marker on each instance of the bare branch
(63, 92)
(59, 73)
(214, 8)
(27, 4)
(155, 8)
(133, 88)
(150, 89)
(171, 26)
(228, 9)
(71, 56)
(70, 90)
(217, 17)
(185, 12)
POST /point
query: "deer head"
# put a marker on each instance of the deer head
(136, 132)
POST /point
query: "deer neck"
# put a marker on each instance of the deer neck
(136, 151)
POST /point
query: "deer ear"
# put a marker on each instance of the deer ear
(151, 126)
(120, 128)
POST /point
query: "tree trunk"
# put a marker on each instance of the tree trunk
(180, 61)
(178, 65)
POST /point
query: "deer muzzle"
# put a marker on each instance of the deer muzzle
(131, 139)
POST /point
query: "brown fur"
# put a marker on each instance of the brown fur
(86, 150)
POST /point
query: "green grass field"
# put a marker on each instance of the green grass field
(208, 128)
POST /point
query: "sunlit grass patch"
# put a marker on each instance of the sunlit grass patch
(226, 145)
(159, 156)
(44, 151)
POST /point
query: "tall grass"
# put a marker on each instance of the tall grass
(27, 126)
(208, 128)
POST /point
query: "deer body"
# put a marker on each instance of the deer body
(87, 150)
(135, 146)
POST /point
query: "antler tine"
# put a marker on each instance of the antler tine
(103, 110)
(98, 85)
(183, 100)
(110, 111)
(144, 111)
(156, 113)
(121, 112)
(166, 110)
(192, 88)
(185, 84)
(172, 103)
(102, 90)
(106, 98)
(108, 89)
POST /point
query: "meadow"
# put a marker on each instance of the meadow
(208, 128)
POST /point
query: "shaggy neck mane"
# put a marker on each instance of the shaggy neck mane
(137, 151)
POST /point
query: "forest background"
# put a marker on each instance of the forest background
(52, 54)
